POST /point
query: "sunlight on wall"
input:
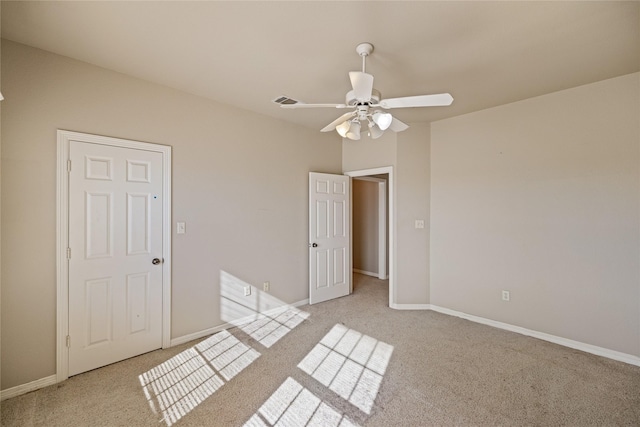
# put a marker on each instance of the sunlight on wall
(262, 316)
(177, 386)
(292, 405)
(350, 364)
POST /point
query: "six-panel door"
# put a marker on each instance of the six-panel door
(115, 233)
(329, 237)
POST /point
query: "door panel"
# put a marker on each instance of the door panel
(115, 231)
(98, 312)
(329, 230)
(137, 298)
(98, 224)
(138, 224)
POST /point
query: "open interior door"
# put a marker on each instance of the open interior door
(329, 236)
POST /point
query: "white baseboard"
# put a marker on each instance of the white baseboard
(26, 388)
(210, 331)
(410, 306)
(301, 303)
(366, 273)
(587, 348)
(370, 273)
(200, 334)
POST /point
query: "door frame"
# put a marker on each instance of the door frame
(392, 224)
(64, 138)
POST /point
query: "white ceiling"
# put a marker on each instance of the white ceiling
(248, 53)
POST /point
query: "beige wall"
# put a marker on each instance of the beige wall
(541, 198)
(408, 153)
(369, 153)
(239, 183)
(413, 204)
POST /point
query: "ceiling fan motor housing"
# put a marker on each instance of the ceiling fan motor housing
(351, 98)
(363, 112)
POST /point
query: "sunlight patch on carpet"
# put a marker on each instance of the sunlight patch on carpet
(292, 405)
(350, 364)
(270, 328)
(174, 388)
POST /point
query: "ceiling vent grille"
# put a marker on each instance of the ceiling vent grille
(285, 100)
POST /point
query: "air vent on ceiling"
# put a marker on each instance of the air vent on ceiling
(285, 100)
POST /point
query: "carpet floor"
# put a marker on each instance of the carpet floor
(350, 361)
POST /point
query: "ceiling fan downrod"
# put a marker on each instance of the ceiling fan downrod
(364, 50)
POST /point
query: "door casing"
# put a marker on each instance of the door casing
(62, 237)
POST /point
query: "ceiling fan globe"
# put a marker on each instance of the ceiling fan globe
(382, 119)
(354, 131)
(374, 131)
(343, 128)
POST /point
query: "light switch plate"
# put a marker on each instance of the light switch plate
(181, 228)
(419, 223)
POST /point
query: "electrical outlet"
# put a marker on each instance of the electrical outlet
(419, 223)
(506, 296)
(247, 291)
(266, 286)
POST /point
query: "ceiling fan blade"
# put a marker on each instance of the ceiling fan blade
(331, 126)
(398, 126)
(303, 105)
(437, 100)
(362, 84)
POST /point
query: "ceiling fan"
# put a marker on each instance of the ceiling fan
(367, 105)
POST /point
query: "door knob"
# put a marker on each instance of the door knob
(313, 245)
(156, 261)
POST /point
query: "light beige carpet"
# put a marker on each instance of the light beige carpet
(351, 361)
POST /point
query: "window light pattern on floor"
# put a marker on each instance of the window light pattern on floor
(350, 364)
(177, 386)
(292, 405)
(271, 327)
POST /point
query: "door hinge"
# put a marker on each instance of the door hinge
(68, 253)
(68, 341)
(68, 165)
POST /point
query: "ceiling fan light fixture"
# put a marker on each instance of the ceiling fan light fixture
(363, 99)
(343, 128)
(374, 131)
(383, 120)
(354, 131)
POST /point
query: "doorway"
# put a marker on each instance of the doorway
(369, 225)
(390, 220)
